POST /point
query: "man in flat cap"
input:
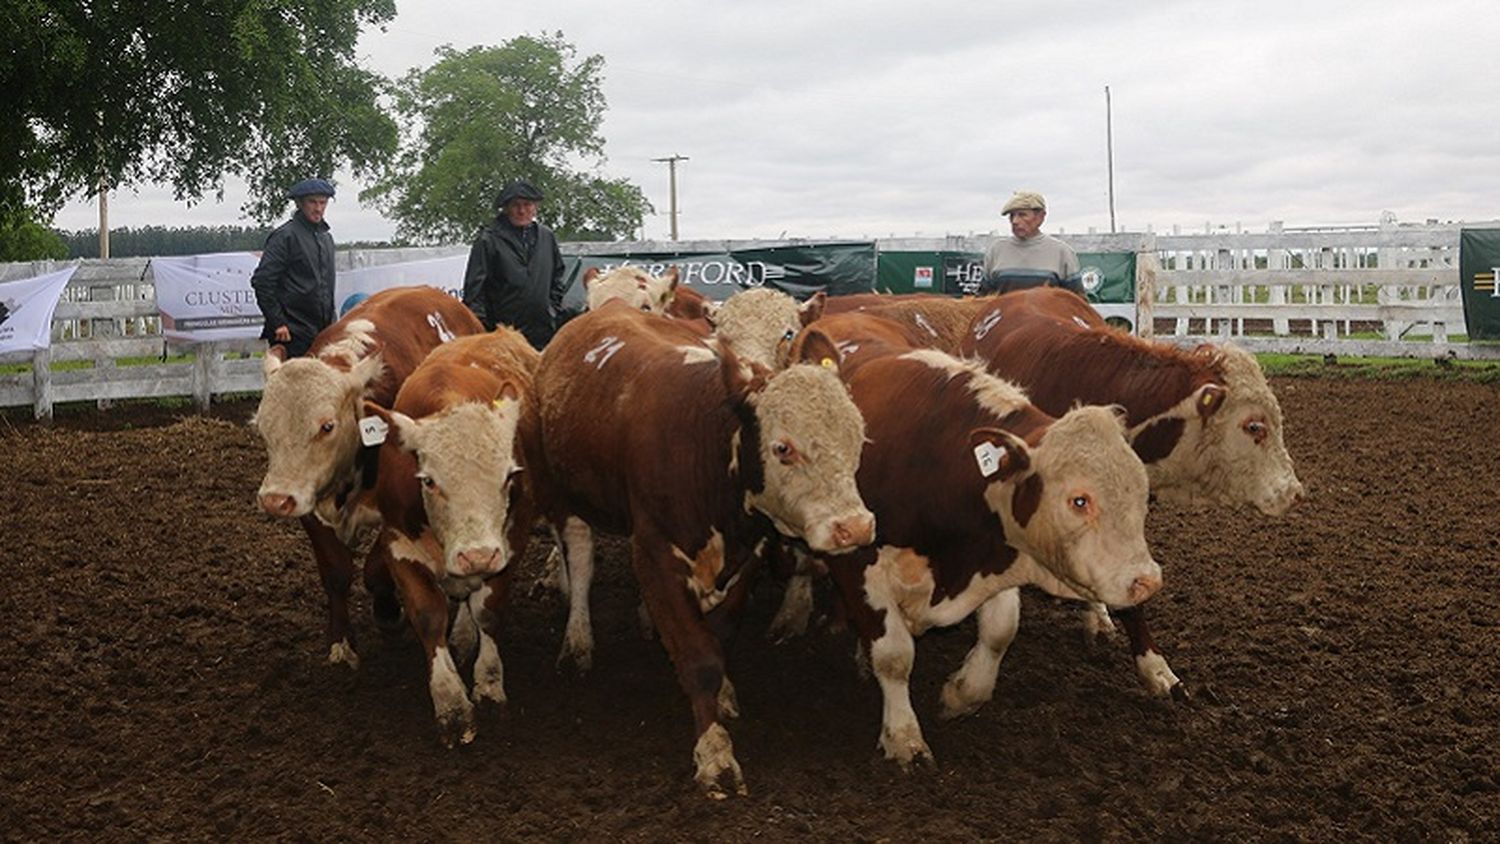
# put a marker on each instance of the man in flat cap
(515, 271)
(1029, 258)
(294, 280)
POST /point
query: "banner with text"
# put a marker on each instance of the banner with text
(1479, 279)
(203, 298)
(26, 308)
(354, 286)
(800, 270)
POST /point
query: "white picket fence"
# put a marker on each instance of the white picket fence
(1302, 292)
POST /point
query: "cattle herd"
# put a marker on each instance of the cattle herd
(927, 456)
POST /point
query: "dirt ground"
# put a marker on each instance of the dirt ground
(162, 673)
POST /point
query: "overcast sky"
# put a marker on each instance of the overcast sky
(879, 119)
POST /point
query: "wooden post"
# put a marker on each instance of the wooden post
(203, 374)
(1146, 264)
(41, 379)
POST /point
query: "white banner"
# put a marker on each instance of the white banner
(354, 286)
(26, 308)
(207, 297)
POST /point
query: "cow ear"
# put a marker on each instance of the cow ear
(275, 357)
(366, 371)
(509, 391)
(1209, 399)
(402, 426)
(671, 277)
(998, 455)
(812, 309)
(589, 275)
(813, 346)
(743, 379)
(711, 313)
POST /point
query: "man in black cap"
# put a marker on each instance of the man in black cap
(515, 272)
(294, 280)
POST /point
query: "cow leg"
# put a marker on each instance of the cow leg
(796, 602)
(578, 554)
(1149, 663)
(385, 604)
(427, 607)
(698, 659)
(488, 605)
(1096, 622)
(336, 570)
(973, 684)
(892, 652)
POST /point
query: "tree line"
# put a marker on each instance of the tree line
(104, 97)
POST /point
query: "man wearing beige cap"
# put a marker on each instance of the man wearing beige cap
(1029, 258)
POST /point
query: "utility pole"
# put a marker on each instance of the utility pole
(1109, 145)
(103, 218)
(671, 161)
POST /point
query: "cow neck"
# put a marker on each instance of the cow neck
(1104, 366)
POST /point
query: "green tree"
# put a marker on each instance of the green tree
(477, 118)
(23, 238)
(182, 94)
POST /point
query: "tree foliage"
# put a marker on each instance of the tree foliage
(167, 92)
(477, 118)
(23, 238)
(150, 241)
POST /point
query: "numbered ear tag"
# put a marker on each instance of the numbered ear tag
(827, 363)
(372, 430)
(988, 458)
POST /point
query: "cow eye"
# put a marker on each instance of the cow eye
(427, 482)
(1257, 430)
(785, 452)
(1080, 503)
(646, 307)
(788, 336)
(326, 427)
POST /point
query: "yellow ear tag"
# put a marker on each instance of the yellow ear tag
(499, 403)
(1208, 400)
(828, 363)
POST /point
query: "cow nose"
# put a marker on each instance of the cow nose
(277, 504)
(854, 532)
(1143, 587)
(478, 561)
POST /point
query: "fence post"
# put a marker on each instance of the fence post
(41, 379)
(1146, 264)
(203, 372)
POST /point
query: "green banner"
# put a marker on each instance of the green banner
(801, 270)
(1478, 272)
(1116, 272)
(959, 274)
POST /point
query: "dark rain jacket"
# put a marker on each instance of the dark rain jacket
(505, 285)
(294, 282)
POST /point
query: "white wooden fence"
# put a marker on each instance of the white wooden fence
(1295, 291)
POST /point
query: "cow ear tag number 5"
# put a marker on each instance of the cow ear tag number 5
(372, 430)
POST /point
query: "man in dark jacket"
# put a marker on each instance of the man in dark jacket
(294, 280)
(515, 272)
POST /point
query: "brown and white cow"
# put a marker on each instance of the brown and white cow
(633, 285)
(760, 324)
(976, 492)
(641, 429)
(318, 472)
(1204, 421)
(939, 322)
(456, 510)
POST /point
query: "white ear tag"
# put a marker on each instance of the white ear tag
(372, 430)
(988, 458)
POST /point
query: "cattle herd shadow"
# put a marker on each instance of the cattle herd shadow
(164, 675)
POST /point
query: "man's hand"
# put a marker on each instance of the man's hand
(283, 334)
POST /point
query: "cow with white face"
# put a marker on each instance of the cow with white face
(453, 498)
(318, 470)
(760, 324)
(701, 458)
(1204, 421)
(632, 285)
(977, 492)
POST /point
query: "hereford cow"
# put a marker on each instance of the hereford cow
(455, 508)
(318, 472)
(639, 428)
(940, 322)
(760, 324)
(977, 492)
(632, 285)
(1204, 421)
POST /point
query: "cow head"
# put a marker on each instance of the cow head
(760, 324)
(1075, 503)
(1229, 447)
(798, 450)
(633, 286)
(469, 475)
(308, 416)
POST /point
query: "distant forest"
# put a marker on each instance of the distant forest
(151, 241)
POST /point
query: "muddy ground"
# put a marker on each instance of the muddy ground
(162, 672)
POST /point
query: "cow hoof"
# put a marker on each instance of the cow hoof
(957, 703)
(343, 652)
(1157, 674)
(906, 748)
(579, 658)
(713, 756)
(492, 691)
(457, 726)
(729, 702)
(1098, 627)
(1180, 693)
